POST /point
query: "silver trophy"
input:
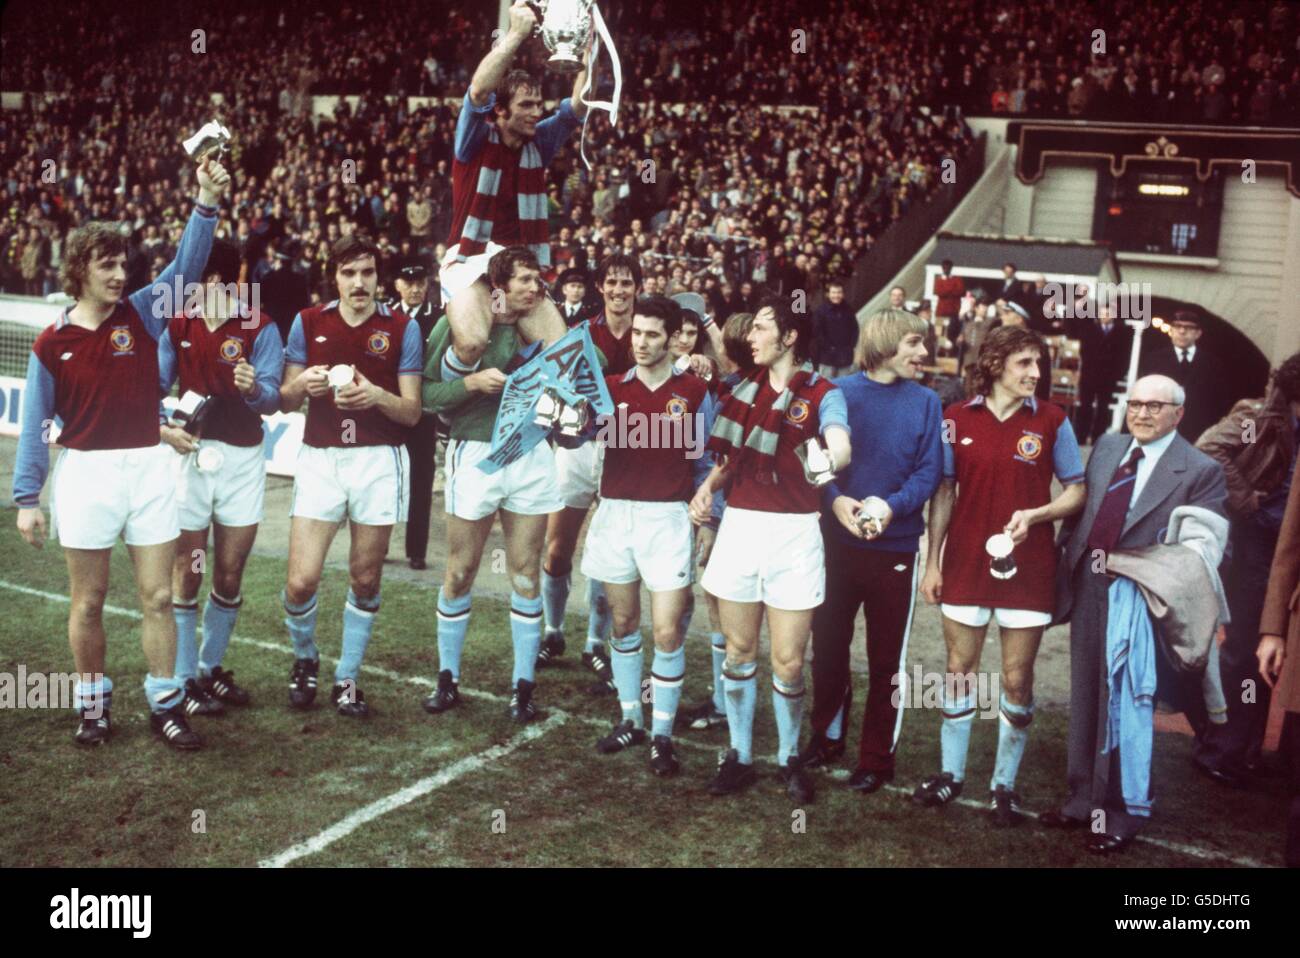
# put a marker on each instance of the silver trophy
(212, 137)
(1002, 564)
(871, 517)
(189, 415)
(565, 26)
(552, 412)
(818, 464)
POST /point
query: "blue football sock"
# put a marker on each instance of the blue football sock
(954, 736)
(787, 703)
(836, 729)
(453, 622)
(718, 649)
(301, 620)
(742, 694)
(97, 696)
(358, 622)
(555, 598)
(526, 634)
(599, 621)
(219, 615)
(186, 615)
(163, 694)
(626, 664)
(666, 673)
(1013, 734)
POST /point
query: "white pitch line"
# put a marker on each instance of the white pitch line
(424, 786)
(1192, 851)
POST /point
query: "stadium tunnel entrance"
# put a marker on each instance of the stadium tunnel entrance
(1247, 366)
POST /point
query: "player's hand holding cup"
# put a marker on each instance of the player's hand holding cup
(180, 440)
(214, 180)
(361, 393)
(315, 381)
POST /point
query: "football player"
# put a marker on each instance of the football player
(360, 364)
(96, 370)
(222, 349)
(1001, 452)
(641, 531)
(768, 557)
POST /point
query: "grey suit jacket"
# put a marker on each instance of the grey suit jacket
(1184, 476)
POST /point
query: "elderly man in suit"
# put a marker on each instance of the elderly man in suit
(1279, 652)
(1134, 483)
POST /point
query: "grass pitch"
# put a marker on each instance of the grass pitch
(469, 787)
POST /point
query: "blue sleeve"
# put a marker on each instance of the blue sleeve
(295, 351)
(472, 127)
(166, 371)
(703, 465)
(154, 302)
(411, 362)
(268, 361)
(949, 461)
(1066, 459)
(834, 411)
(33, 460)
(924, 479)
(555, 129)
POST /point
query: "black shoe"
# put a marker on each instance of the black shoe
(1223, 776)
(732, 776)
(221, 686)
(522, 707)
(199, 702)
(552, 648)
(936, 791)
(866, 781)
(598, 662)
(699, 718)
(350, 701)
(820, 751)
(798, 784)
(93, 731)
(1004, 805)
(173, 729)
(622, 736)
(445, 696)
(1106, 844)
(302, 683)
(418, 565)
(1054, 818)
(662, 761)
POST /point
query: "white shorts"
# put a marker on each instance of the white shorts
(454, 276)
(526, 487)
(231, 494)
(977, 616)
(630, 540)
(368, 484)
(776, 558)
(100, 494)
(577, 474)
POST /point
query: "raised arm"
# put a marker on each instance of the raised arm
(493, 67)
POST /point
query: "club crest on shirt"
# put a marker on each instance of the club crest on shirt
(798, 411)
(378, 343)
(232, 349)
(677, 407)
(121, 339)
(1028, 447)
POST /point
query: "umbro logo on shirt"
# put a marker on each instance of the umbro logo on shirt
(320, 339)
(185, 344)
(967, 441)
(66, 356)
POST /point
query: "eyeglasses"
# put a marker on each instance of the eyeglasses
(1154, 408)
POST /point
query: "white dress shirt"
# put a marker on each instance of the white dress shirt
(1151, 453)
(1189, 353)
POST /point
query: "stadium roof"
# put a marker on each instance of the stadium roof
(988, 251)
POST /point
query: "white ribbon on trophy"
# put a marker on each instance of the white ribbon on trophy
(561, 21)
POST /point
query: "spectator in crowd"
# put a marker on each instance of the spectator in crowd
(1104, 351)
(1256, 444)
(1199, 371)
(574, 308)
(948, 291)
(835, 332)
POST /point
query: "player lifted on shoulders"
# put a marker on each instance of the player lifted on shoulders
(502, 149)
(577, 474)
(523, 492)
(96, 370)
(768, 554)
(353, 463)
(220, 349)
(641, 531)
